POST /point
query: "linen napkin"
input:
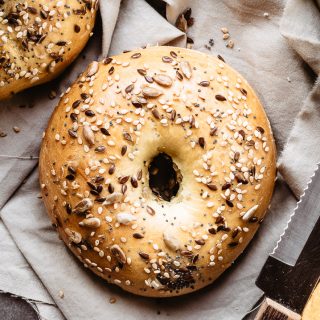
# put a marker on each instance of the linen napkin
(300, 25)
(282, 82)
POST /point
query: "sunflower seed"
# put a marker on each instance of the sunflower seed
(124, 188)
(242, 133)
(155, 113)
(134, 182)
(138, 235)
(113, 198)
(100, 149)
(226, 186)
(76, 104)
(249, 213)
(104, 131)
(213, 131)
(123, 180)
(240, 178)
(129, 88)
(144, 255)
(204, 83)
(148, 79)
(260, 129)
(167, 59)
(229, 203)
(107, 60)
(150, 92)
(201, 142)
(142, 72)
(136, 55)
(127, 136)
(212, 187)
(110, 188)
(89, 113)
(219, 97)
(136, 104)
(93, 69)
(118, 253)
(72, 134)
(74, 236)
(163, 80)
(83, 206)
(88, 134)
(74, 117)
(90, 223)
(112, 169)
(125, 218)
(170, 240)
(243, 91)
(124, 150)
(173, 54)
(151, 211)
(179, 75)
(186, 69)
(111, 70)
(220, 58)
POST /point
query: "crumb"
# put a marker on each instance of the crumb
(16, 129)
(61, 294)
(112, 300)
(288, 79)
(230, 44)
(52, 94)
(224, 30)
(2, 134)
(226, 36)
(266, 15)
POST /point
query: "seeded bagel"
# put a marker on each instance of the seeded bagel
(39, 39)
(157, 168)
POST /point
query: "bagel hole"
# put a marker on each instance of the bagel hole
(164, 177)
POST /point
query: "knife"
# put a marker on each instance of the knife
(289, 276)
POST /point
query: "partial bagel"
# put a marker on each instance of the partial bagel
(39, 39)
(157, 168)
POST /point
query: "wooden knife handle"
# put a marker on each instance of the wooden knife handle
(271, 310)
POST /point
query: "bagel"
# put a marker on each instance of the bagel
(157, 168)
(39, 39)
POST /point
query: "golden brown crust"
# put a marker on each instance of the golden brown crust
(94, 169)
(39, 39)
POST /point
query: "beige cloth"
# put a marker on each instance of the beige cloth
(300, 25)
(265, 59)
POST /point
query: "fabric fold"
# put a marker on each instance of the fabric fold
(139, 25)
(302, 151)
(109, 10)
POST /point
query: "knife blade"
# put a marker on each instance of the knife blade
(289, 276)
